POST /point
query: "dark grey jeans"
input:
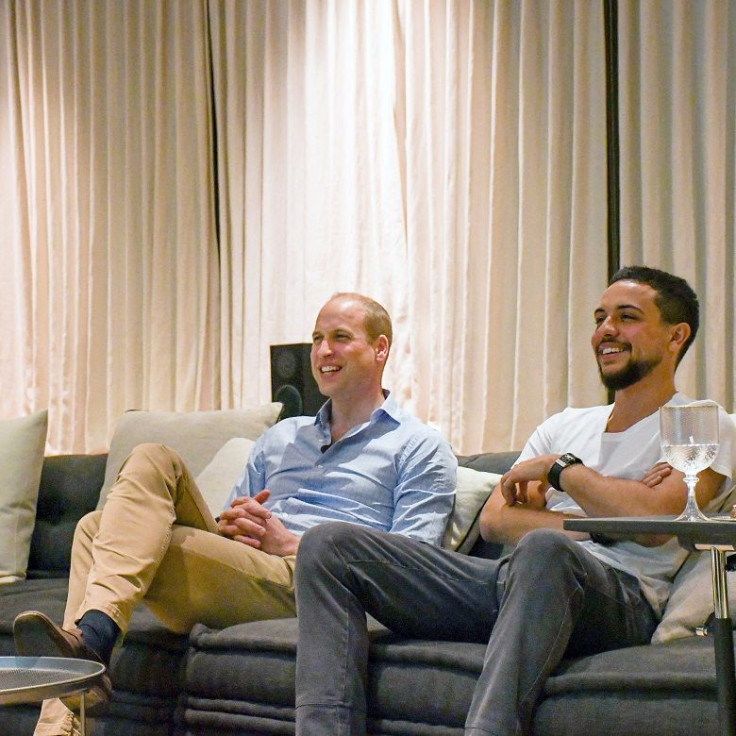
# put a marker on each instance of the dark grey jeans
(556, 599)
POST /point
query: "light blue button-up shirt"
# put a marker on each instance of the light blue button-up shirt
(391, 473)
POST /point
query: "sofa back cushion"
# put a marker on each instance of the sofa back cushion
(70, 486)
(489, 466)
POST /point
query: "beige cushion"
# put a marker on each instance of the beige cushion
(196, 436)
(22, 445)
(217, 480)
(691, 600)
(473, 489)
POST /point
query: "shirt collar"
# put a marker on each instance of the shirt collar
(389, 407)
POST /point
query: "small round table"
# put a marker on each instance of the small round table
(33, 679)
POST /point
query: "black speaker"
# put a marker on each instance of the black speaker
(292, 382)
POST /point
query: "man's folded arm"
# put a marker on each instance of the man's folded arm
(506, 519)
(506, 524)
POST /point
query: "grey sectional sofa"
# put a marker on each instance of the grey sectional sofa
(240, 680)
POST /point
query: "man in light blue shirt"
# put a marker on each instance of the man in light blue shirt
(361, 460)
(389, 473)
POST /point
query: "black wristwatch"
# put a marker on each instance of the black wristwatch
(562, 462)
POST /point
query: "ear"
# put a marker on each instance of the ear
(381, 348)
(678, 336)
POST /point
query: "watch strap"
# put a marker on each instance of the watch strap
(562, 462)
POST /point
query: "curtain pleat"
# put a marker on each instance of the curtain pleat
(114, 292)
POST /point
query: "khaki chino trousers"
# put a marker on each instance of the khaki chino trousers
(155, 541)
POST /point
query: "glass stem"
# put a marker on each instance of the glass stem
(692, 511)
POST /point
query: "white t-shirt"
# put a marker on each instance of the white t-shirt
(629, 455)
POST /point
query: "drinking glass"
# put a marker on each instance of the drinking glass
(689, 435)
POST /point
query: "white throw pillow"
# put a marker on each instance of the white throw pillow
(196, 436)
(473, 489)
(22, 445)
(217, 480)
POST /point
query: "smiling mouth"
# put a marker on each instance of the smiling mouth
(610, 350)
(329, 369)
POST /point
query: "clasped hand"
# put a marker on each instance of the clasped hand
(249, 522)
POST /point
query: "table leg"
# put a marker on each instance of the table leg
(723, 645)
(82, 715)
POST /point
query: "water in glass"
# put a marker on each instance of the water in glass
(689, 436)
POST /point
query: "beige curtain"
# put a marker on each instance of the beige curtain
(447, 158)
(109, 282)
(678, 164)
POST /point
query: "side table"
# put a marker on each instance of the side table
(719, 536)
(32, 679)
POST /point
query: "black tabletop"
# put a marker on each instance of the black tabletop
(718, 530)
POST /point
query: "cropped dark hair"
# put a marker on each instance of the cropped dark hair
(675, 299)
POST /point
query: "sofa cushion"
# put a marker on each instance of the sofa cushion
(225, 672)
(196, 436)
(648, 690)
(218, 478)
(691, 602)
(70, 487)
(489, 462)
(472, 491)
(48, 596)
(22, 443)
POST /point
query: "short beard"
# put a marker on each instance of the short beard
(628, 376)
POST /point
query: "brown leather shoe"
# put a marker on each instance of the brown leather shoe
(36, 635)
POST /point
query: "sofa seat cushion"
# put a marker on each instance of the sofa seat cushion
(150, 659)
(606, 694)
(226, 671)
(425, 687)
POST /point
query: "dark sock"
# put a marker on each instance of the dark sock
(100, 633)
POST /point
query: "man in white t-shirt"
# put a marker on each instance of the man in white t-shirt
(558, 593)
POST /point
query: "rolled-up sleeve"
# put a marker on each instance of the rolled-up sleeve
(424, 496)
